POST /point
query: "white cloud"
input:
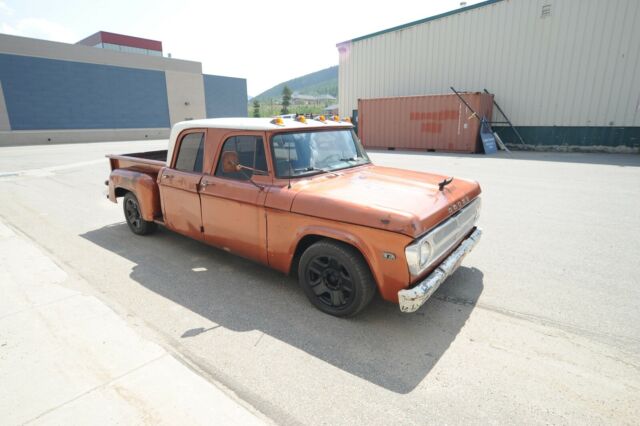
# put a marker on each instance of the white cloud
(5, 9)
(41, 28)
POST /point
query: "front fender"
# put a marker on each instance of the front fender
(390, 275)
(339, 235)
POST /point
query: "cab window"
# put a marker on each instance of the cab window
(250, 151)
(190, 153)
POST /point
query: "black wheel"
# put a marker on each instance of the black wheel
(134, 219)
(335, 278)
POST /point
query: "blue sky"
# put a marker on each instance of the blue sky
(264, 42)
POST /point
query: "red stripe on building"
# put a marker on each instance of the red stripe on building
(122, 40)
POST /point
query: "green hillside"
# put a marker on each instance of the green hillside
(323, 82)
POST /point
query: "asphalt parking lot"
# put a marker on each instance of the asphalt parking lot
(539, 325)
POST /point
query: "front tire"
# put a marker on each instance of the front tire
(134, 218)
(335, 278)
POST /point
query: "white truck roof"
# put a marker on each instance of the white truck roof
(244, 123)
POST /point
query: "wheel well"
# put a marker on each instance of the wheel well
(306, 242)
(121, 192)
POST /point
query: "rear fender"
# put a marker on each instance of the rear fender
(144, 187)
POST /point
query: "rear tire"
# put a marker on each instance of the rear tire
(336, 278)
(133, 216)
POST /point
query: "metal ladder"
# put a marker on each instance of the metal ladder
(505, 117)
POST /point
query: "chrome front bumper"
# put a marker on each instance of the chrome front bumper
(411, 299)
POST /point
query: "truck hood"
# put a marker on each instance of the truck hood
(396, 200)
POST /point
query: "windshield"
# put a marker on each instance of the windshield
(301, 154)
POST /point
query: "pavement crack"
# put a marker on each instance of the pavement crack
(95, 388)
(617, 340)
(38, 306)
(454, 300)
(259, 339)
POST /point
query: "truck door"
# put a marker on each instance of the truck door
(233, 212)
(179, 183)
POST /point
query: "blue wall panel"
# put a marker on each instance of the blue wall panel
(52, 94)
(225, 96)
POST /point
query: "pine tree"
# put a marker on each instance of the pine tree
(286, 100)
(256, 108)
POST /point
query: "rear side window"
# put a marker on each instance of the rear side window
(250, 151)
(191, 153)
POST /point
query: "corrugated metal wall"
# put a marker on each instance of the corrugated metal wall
(580, 66)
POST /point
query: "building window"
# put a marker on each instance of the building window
(128, 49)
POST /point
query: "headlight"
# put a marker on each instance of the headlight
(418, 255)
(425, 253)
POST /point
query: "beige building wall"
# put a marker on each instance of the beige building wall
(75, 52)
(44, 137)
(185, 94)
(4, 114)
(578, 65)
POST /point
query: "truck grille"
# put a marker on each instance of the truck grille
(443, 237)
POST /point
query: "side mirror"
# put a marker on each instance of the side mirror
(230, 162)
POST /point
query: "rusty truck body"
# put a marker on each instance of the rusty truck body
(302, 196)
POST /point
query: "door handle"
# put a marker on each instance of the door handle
(165, 176)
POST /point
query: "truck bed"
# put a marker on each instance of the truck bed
(149, 162)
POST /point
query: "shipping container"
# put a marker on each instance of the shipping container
(430, 123)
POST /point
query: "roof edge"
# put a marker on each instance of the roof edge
(420, 21)
(56, 50)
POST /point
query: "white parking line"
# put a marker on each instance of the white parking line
(48, 171)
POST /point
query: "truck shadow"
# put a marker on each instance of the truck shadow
(381, 345)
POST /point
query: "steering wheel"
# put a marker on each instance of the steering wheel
(329, 158)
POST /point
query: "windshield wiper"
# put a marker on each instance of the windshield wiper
(310, 169)
(314, 170)
(354, 159)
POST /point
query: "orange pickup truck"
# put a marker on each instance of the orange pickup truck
(301, 196)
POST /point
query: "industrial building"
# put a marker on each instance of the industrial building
(566, 72)
(106, 87)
